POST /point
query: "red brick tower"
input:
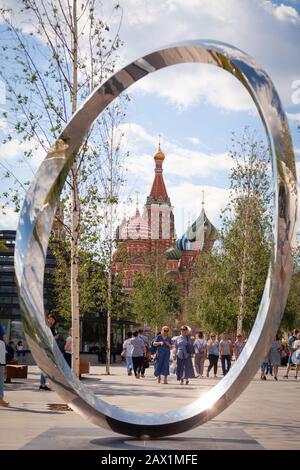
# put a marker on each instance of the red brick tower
(159, 209)
(143, 239)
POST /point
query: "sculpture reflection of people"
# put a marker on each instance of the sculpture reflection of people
(68, 348)
(51, 320)
(163, 343)
(185, 369)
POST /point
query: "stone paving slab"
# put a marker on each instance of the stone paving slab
(266, 415)
(199, 439)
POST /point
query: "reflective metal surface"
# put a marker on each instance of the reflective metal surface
(38, 212)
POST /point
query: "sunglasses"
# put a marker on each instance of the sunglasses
(166, 330)
(183, 329)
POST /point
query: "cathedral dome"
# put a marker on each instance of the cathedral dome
(159, 154)
(136, 228)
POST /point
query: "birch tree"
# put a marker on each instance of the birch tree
(58, 55)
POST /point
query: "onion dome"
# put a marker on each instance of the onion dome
(136, 228)
(159, 154)
(193, 239)
(173, 253)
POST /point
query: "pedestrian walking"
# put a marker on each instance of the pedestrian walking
(296, 354)
(239, 346)
(127, 353)
(291, 341)
(138, 353)
(225, 350)
(200, 347)
(183, 354)
(163, 345)
(275, 356)
(213, 354)
(145, 362)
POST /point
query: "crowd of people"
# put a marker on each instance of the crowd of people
(185, 354)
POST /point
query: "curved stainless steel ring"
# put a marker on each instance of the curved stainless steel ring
(38, 212)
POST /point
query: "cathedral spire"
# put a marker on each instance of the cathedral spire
(158, 194)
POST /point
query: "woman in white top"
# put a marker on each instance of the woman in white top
(200, 353)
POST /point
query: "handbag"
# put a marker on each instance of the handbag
(146, 363)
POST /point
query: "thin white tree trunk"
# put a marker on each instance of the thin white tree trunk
(75, 214)
(110, 235)
(239, 329)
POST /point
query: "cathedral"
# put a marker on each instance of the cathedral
(148, 239)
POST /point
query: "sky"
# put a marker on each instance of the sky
(195, 108)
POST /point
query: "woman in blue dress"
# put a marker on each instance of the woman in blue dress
(185, 369)
(163, 343)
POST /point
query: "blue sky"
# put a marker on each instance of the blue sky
(195, 107)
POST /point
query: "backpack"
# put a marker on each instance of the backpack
(152, 347)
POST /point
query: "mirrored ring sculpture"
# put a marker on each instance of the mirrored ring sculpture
(40, 205)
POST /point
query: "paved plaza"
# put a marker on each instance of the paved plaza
(265, 416)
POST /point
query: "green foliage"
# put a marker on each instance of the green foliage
(291, 317)
(92, 281)
(155, 299)
(212, 303)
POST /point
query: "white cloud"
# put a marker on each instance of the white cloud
(185, 85)
(179, 161)
(286, 13)
(194, 140)
(12, 153)
(9, 220)
(189, 167)
(267, 31)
